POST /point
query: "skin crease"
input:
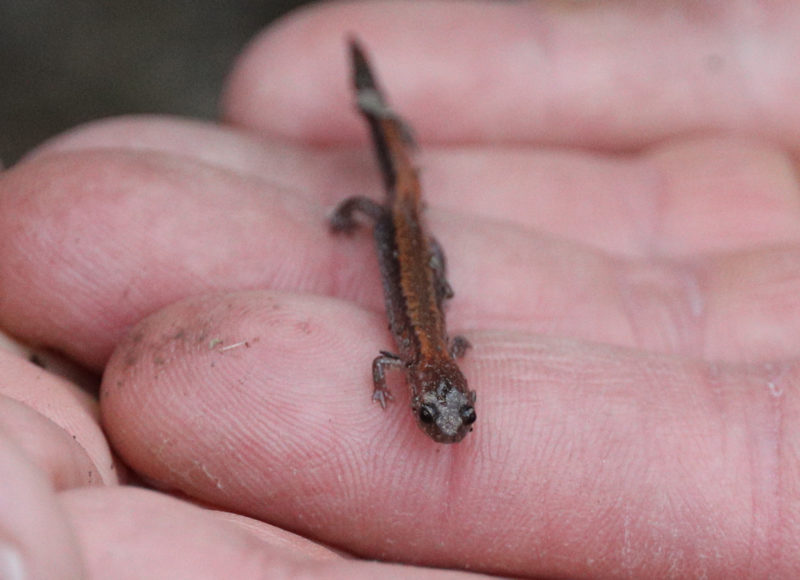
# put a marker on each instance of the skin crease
(615, 187)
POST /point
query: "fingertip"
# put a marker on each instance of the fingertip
(293, 80)
(252, 372)
(286, 83)
(36, 540)
(56, 422)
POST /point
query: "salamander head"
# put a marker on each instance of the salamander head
(442, 403)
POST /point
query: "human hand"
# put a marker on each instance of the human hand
(615, 190)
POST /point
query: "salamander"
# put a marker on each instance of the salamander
(412, 267)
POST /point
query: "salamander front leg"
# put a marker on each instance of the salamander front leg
(387, 359)
(343, 218)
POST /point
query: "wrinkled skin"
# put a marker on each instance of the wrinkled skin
(616, 188)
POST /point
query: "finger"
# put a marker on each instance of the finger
(50, 448)
(584, 459)
(35, 538)
(103, 234)
(133, 533)
(679, 199)
(55, 422)
(530, 72)
(180, 228)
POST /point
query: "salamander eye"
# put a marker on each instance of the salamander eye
(468, 415)
(427, 413)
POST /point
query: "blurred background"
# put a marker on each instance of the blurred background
(65, 62)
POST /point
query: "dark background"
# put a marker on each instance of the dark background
(65, 62)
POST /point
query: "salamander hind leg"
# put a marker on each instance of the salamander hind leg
(343, 218)
(459, 346)
(381, 393)
(437, 263)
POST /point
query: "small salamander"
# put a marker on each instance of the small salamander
(412, 269)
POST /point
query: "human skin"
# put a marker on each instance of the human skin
(615, 187)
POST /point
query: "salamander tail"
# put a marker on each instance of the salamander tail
(363, 79)
(391, 135)
(369, 97)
